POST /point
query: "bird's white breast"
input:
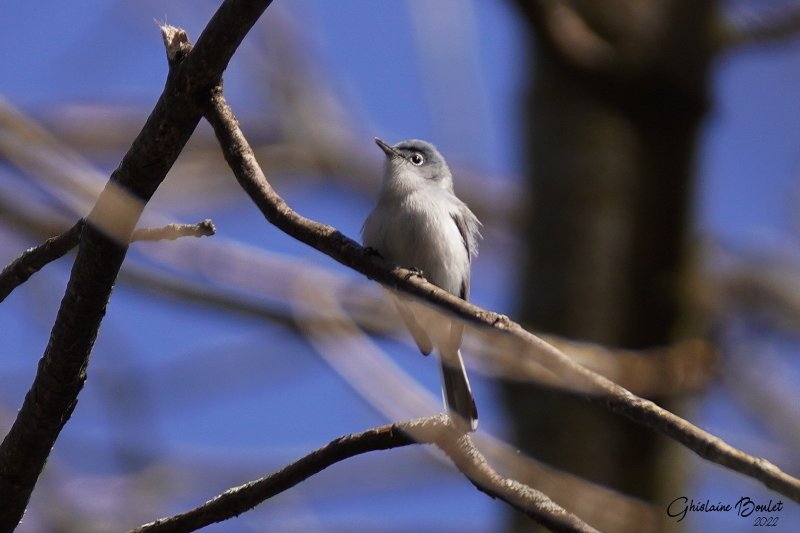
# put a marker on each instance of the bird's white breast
(417, 230)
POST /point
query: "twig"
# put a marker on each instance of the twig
(62, 369)
(170, 232)
(34, 259)
(330, 241)
(433, 430)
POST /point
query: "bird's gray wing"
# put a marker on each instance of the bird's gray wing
(464, 230)
(422, 339)
(468, 238)
(468, 226)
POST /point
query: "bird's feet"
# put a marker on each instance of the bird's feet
(372, 251)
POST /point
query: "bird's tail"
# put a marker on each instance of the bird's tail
(456, 391)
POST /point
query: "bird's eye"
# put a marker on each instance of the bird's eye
(416, 159)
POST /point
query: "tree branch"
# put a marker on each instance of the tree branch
(34, 259)
(330, 241)
(62, 369)
(436, 430)
(171, 232)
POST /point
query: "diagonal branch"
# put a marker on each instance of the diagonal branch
(34, 259)
(433, 430)
(330, 241)
(62, 369)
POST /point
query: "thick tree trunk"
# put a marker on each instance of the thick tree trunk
(613, 115)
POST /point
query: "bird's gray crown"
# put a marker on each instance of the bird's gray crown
(418, 157)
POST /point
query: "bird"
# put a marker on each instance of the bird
(419, 223)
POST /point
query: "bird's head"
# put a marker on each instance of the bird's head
(415, 164)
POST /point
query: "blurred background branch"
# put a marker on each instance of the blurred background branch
(191, 394)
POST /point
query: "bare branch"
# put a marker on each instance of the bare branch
(343, 249)
(62, 369)
(433, 430)
(34, 259)
(170, 232)
(176, 43)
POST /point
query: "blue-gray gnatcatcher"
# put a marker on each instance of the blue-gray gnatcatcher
(420, 223)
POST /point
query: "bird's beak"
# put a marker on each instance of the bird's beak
(388, 150)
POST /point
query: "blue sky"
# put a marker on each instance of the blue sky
(397, 75)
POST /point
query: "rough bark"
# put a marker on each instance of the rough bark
(62, 369)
